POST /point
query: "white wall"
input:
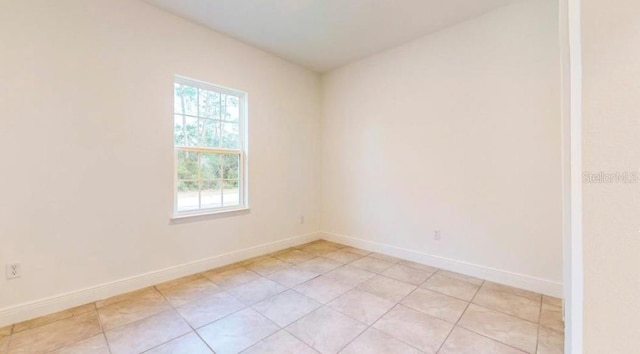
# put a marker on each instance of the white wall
(611, 77)
(458, 131)
(86, 143)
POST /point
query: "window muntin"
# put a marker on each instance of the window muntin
(209, 125)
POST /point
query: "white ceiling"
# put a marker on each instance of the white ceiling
(325, 34)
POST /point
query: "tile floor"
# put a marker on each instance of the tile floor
(319, 297)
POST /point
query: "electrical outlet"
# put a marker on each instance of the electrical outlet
(302, 219)
(14, 271)
(436, 235)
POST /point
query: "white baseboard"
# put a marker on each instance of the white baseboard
(521, 281)
(33, 309)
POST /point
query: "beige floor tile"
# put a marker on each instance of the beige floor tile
(385, 257)
(286, 308)
(37, 322)
(123, 297)
(293, 276)
(419, 266)
(349, 275)
(551, 317)
(458, 276)
(148, 333)
(504, 328)
(178, 281)
(228, 267)
(94, 345)
(282, 251)
(323, 242)
(237, 332)
(4, 345)
(356, 250)
(462, 341)
(320, 265)
(252, 260)
(56, 335)
(362, 306)
(508, 302)
(323, 289)
(209, 309)
(190, 291)
(515, 291)
(406, 274)
(342, 256)
(295, 256)
(550, 300)
(232, 277)
(187, 344)
(5, 331)
(326, 330)
(281, 342)
(387, 288)
(420, 330)
(372, 264)
(268, 266)
(319, 249)
(435, 304)
(133, 309)
(376, 342)
(453, 287)
(331, 243)
(303, 245)
(257, 290)
(356, 296)
(550, 341)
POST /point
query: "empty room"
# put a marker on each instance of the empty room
(319, 176)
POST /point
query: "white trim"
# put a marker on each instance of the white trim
(506, 277)
(183, 80)
(204, 214)
(243, 123)
(571, 45)
(33, 309)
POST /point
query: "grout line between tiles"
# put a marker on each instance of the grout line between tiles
(494, 339)
(384, 314)
(193, 330)
(460, 317)
(539, 324)
(104, 335)
(102, 331)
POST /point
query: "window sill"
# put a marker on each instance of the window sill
(209, 215)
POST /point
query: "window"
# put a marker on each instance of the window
(209, 140)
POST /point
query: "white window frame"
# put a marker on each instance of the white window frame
(243, 180)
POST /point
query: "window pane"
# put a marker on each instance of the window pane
(188, 195)
(209, 104)
(230, 135)
(231, 193)
(232, 108)
(211, 166)
(192, 131)
(185, 100)
(231, 166)
(210, 132)
(178, 129)
(211, 194)
(187, 165)
(207, 118)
